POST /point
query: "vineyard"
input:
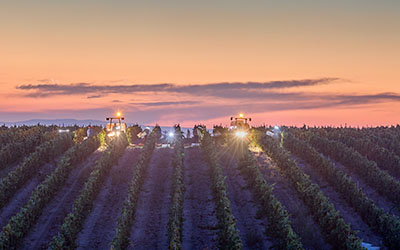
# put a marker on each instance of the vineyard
(312, 188)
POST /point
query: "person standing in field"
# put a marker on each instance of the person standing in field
(188, 134)
(90, 131)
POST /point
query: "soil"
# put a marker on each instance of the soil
(200, 222)
(99, 227)
(244, 207)
(302, 220)
(53, 214)
(149, 230)
(348, 213)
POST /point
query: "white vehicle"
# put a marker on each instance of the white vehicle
(275, 132)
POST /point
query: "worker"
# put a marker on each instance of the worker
(188, 134)
(90, 131)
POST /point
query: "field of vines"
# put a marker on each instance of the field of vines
(308, 188)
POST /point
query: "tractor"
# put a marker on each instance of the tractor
(115, 126)
(240, 126)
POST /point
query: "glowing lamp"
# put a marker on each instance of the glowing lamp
(240, 134)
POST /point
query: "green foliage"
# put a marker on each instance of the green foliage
(387, 225)
(197, 134)
(132, 133)
(101, 136)
(367, 146)
(220, 135)
(73, 222)
(278, 218)
(18, 134)
(18, 226)
(80, 134)
(24, 143)
(336, 231)
(178, 189)
(46, 152)
(229, 234)
(121, 238)
(366, 169)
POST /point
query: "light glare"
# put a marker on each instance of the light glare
(240, 134)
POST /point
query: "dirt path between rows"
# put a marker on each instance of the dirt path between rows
(22, 195)
(99, 227)
(53, 214)
(149, 230)
(348, 213)
(244, 207)
(200, 221)
(302, 220)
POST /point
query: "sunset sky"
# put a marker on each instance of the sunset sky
(280, 62)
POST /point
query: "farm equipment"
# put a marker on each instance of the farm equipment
(275, 132)
(144, 133)
(115, 126)
(240, 126)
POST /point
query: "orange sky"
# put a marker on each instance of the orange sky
(190, 42)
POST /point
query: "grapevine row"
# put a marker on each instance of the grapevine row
(229, 235)
(73, 222)
(178, 190)
(19, 176)
(384, 158)
(19, 225)
(121, 238)
(366, 169)
(336, 231)
(387, 138)
(12, 151)
(18, 134)
(278, 218)
(387, 225)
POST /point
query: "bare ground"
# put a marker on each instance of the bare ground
(22, 195)
(200, 221)
(53, 214)
(302, 220)
(99, 227)
(149, 230)
(348, 213)
(244, 207)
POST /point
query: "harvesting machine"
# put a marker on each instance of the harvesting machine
(116, 126)
(240, 126)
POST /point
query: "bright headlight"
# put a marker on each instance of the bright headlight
(240, 134)
(171, 134)
(111, 134)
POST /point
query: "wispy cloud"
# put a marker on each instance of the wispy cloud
(211, 89)
(215, 100)
(155, 104)
(94, 96)
(203, 111)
